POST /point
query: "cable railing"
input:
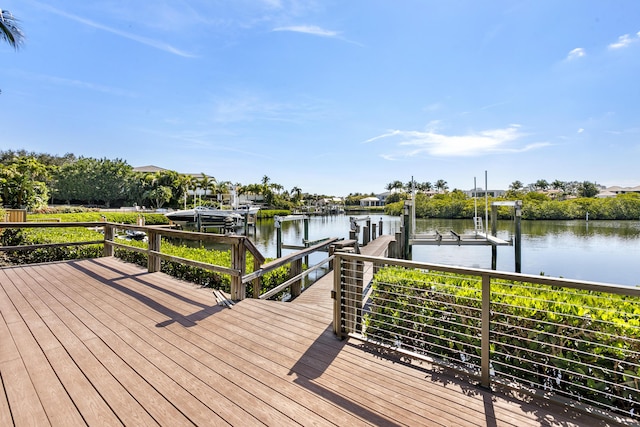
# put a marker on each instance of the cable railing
(573, 341)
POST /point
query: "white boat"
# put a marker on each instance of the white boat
(205, 215)
(247, 209)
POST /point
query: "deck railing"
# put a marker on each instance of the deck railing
(576, 341)
(238, 245)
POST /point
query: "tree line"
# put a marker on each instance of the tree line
(34, 180)
(535, 206)
(516, 189)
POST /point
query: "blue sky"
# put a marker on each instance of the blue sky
(334, 97)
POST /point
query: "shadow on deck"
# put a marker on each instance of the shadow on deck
(102, 342)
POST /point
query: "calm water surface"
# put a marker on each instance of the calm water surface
(601, 251)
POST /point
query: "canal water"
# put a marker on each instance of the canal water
(600, 251)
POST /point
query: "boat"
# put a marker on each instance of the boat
(247, 209)
(227, 218)
(135, 235)
(205, 215)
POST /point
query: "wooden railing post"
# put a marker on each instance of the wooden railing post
(399, 245)
(393, 249)
(257, 282)
(238, 262)
(296, 287)
(332, 251)
(108, 237)
(153, 260)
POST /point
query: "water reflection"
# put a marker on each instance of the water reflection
(604, 251)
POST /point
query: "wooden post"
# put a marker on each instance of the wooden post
(238, 262)
(374, 235)
(407, 230)
(518, 237)
(494, 232)
(365, 235)
(399, 247)
(296, 287)
(257, 282)
(306, 238)
(380, 232)
(278, 242)
(108, 237)
(153, 261)
(332, 251)
(393, 248)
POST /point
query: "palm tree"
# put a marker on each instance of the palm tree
(221, 188)
(516, 185)
(394, 186)
(183, 183)
(296, 191)
(441, 185)
(194, 184)
(206, 183)
(9, 29)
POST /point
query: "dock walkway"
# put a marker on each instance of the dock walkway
(102, 342)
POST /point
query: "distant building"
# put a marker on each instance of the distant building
(615, 190)
(370, 201)
(149, 169)
(480, 192)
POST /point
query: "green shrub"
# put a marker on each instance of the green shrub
(198, 275)
(270, 213)
(578, 343)
(95, 216)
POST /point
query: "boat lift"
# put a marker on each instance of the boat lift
(480, 236)
(278, 220)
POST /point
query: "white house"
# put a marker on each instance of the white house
(370, 201)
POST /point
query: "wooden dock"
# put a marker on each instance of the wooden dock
(102, 342)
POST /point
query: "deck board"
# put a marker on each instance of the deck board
(102, 342)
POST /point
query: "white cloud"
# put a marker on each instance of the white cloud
(139, 39)
(251, 107)
(80, 84)
(576, 53)
(433, 143)
(581, 130)
(309, 29)
(624, 41)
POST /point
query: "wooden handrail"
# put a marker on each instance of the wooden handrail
(266, 268)
(239, 246)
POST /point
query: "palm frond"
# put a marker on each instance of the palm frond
(10, 30)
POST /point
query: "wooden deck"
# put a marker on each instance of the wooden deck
(102, 342)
